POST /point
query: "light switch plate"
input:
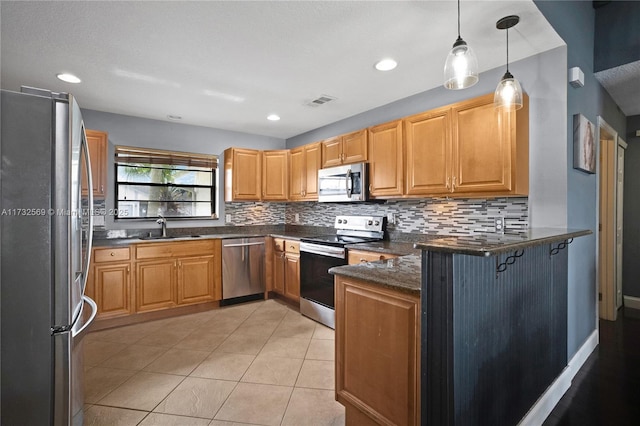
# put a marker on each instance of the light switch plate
(498, 223)
(227, 218)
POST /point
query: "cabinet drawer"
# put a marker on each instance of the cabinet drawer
(292, 246)
(110, 254)
(177, 249)
(358, 256)
(278, 244)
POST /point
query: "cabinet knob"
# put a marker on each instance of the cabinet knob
(102, 188)
(113, 254)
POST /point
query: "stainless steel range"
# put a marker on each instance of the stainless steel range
(319, 254)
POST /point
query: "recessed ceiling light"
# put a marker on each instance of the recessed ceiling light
(386, 65)
(273, 117)
(69, 78)
(174, 117)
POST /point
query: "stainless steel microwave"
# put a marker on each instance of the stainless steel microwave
(348, 183)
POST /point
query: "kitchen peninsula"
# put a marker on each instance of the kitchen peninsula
(493, 310)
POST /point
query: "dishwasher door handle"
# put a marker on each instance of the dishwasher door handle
(244, 244)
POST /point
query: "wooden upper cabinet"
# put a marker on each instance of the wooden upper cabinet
(385, 159)
(304, 163)
(275, 173)
(242, 174)
(428, 152)
(97, 142)
(345, 149)
(491, 149)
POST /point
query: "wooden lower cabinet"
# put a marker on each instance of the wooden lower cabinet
(360, 256)
(112, 289)
(278, 271)
(377, 353)
(286, 269)
(155, 285)
(196, 281)
(109, 282)
(292, 276)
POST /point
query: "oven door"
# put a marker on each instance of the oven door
(316, 283)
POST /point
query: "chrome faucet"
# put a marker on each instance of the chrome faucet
(162, 221)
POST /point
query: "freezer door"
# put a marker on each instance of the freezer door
(72, 220)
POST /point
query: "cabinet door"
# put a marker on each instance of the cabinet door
(112, 286)
(482, 147)
(377, 351)
(332, 152)
(275, 175)
(354, 147)
(296, 173)
(242, 174)
(278, 272)
(385, 159)
(313, 163)
(155, 285)
(195, 280)
(292, 276)
(428, 153)
(97, 142)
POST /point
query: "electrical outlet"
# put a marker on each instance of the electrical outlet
(498, 223)
(297, 217)
(227, 218)
(391, 218)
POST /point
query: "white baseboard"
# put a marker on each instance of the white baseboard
(631, 302)
(548, 400)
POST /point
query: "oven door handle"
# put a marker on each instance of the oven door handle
(321, 250)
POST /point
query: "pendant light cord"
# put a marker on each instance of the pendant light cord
(458, 18)
(507, 49)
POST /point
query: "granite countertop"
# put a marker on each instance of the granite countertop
(398, 274)
(125, 241)
(290, 235)
(492, 244)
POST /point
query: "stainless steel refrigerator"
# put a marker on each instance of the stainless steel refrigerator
(46, 232)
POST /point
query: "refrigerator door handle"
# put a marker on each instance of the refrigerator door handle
(87, 160)
(94, 311)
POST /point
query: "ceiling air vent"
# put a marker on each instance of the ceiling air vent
(321, 100)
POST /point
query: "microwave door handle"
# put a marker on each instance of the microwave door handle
(347, 182)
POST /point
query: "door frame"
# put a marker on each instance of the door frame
(607, 138)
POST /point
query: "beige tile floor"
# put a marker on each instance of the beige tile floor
(259, 363)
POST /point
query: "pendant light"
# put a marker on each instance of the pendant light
(508, 93)
(461, 67)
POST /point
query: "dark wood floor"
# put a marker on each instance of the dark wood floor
(606, 390)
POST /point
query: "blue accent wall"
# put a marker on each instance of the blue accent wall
(631, 237)
(617, 35)
(574, 21)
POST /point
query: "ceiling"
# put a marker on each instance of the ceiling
(230, 64)
(623, 85)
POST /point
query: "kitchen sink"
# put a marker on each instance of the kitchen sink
(157, 237)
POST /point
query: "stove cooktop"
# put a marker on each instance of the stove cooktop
(338, 240)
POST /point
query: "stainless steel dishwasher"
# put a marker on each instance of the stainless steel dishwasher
(242, 267)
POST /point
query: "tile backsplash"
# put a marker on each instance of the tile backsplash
(424, 216)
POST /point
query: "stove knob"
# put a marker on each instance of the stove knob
(376, 223)
(344, 221)
(339, 220)
(369, 222)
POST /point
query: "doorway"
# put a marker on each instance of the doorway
(611, 196)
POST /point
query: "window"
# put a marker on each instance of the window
(173, 184)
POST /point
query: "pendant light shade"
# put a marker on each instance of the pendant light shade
(508, 95)
(461, 67)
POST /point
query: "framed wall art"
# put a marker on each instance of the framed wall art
(584, 144)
